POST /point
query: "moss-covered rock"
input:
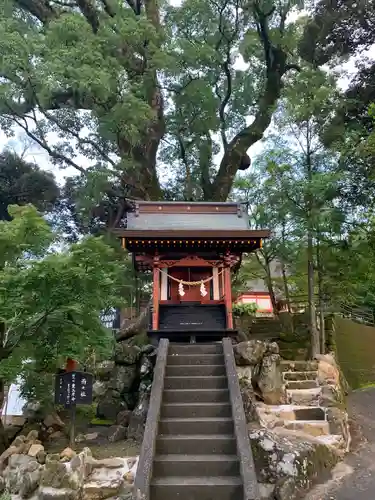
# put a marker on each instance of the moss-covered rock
(291, 455)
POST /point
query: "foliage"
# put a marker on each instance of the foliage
(50, 301)
(337, 31)
(244, 309)
(22, 182)
(151, 94)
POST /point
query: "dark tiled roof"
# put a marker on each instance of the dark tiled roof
(188, 221)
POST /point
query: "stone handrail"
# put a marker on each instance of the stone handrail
(251, 489)
(146, 457)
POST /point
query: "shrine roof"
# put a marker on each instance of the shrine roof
(184, 216)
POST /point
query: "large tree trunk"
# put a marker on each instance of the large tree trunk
(267, 269)
(320, 295)
(283, 272)
(286, 288)
(314, 334)
(136, 326)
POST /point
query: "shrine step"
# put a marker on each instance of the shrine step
(196, 396)
(196, 410)
(195, 359)
(195, 370)
(193, 382)
(219, 425)
(191, 443)
(215, 348)
(196, 465)
(202, 488)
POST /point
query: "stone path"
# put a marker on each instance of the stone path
(355, 478)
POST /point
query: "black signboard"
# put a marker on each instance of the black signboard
(73, 388)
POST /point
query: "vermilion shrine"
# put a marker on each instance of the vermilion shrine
(191, 249)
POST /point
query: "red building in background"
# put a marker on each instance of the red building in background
(261, 299)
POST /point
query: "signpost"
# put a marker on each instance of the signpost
(73, 388)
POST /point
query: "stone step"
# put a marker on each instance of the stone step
(219, 425)
(195, 370)
(212, 382)
(293, 412)
(311, 375)
(299, 366)
(214, 348)
(335, 440)
(190, 444)
(306, 397)
(192, 410)
(202, 488)
(196, 465)
(195, 359)
(196, 396)
(301, 384)
(312, 427)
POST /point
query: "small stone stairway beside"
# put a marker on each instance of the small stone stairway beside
(305, 410)
(195, 454)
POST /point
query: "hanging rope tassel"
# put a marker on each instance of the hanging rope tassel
(203, 289)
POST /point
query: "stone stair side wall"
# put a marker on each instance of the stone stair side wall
(353, 343)
(299, 431)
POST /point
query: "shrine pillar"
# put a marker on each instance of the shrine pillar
(164, 283)
(215, 283)
(228, 296)
(156, 298)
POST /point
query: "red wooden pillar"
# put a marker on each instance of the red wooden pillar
(228, 297)
(156, 298)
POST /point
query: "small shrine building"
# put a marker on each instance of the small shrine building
(191, 248)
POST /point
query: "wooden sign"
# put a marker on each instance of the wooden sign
(73, 388)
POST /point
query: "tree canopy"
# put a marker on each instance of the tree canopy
(154, 95)
(50, 302)
(22, 182)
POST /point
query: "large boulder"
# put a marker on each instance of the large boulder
(138, 417)
(290, 460)
(110, 405)
(99, 388)
(22, 475)
(248, 399)
(123, 378)
(104, 370)
(116, 433)
(270, 380)
(328, 371)
(126, 354)
(259, 366)
(250, 352)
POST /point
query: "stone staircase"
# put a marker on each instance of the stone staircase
(196, 451)
(305, 410)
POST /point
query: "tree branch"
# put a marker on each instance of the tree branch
(275, 67)
(21, 121)
(41, 9)
(91, 14)
(136, 326)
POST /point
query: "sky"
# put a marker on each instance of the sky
(20, 143)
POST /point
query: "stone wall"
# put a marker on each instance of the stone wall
(27, 471)
(297, 425)
(123, 386)
(354, 343)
